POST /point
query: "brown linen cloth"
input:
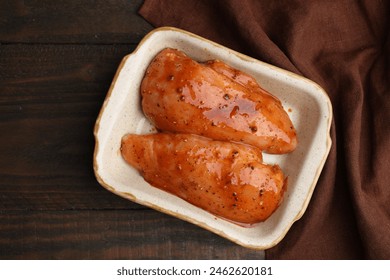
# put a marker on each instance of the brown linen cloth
(343, 46)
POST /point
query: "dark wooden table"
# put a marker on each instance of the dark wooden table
(57, 60)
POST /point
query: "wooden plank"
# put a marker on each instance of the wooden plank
(50, 96)
(87, 21)
(143, 234)
(57, 61)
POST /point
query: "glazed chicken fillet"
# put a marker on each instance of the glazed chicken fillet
(214, 100)
(214, 121)
(227, 179)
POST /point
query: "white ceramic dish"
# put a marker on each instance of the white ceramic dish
(307, 104)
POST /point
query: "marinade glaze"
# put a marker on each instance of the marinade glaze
(227, 179)
(214, 122)
(214, 100)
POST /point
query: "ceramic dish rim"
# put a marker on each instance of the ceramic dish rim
(244, 57)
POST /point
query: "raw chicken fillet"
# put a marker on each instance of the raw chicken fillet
(213, 124)
(214, 100)
(224, 178)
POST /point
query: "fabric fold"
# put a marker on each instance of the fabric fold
(344, 47)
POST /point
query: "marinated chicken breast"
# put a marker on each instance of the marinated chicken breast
(242, 78)
(227, 179)
(182, 95)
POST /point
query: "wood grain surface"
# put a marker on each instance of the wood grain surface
(57, 61)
